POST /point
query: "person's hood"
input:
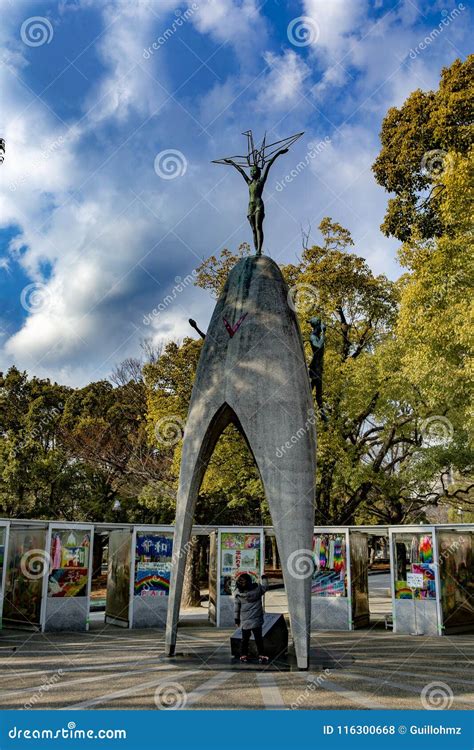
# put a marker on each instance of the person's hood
(251, 590)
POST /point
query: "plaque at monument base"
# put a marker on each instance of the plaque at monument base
(275, 638)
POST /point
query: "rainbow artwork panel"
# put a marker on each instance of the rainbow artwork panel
(153, 556)
(152, 582)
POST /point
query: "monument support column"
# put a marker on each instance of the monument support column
(252, 372)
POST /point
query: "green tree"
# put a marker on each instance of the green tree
(416, 139)
(436, 338)
(34, 471)
(70, 453)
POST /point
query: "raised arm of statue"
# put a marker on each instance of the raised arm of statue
(237, 167)
(194, 325)
(272, 160)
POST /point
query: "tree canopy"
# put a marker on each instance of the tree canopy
(416, 139)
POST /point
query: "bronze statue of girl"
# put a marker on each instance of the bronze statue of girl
(259, 162)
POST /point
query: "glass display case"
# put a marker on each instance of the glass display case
(456, 569)
(119, 577)
(238, 551)
(330, 582)
(414, 581)
(151, 576)
(359, 555)
(67, 591)
(26, 567)
(213, 578)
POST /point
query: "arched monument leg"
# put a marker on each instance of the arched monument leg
(294, 548)
(201, 435)
(252, 371)
(288, 484)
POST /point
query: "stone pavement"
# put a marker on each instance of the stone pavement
(126, 669)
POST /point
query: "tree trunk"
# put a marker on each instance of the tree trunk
(274, 553)
(191, 589)
(97, 555)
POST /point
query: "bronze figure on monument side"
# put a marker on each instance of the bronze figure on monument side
(317, 340)
(259, 162)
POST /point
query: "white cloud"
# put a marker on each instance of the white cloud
(283, 86)
(124, 89)
(235, 22)
(331, 77)
(338, 21)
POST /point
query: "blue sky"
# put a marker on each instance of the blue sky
(99, 98)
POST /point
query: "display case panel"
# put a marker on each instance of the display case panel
(456, 566)
(118, 601)
(66, 600)
(26, 567)
(414, 582)
(330, 582)
(238, 552)
(152, 571)
(330, 565)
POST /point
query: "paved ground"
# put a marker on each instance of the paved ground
(113, 668)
